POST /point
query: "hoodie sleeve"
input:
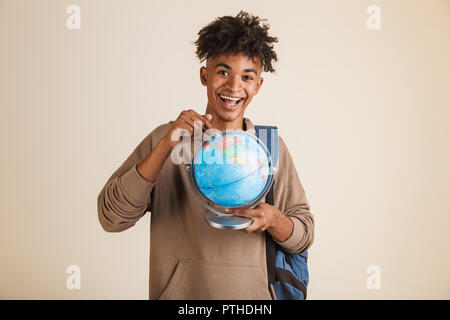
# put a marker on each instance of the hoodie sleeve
(126, 196)
(290, 198)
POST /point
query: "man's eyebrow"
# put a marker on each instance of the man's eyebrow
(251, 70)
(221, 64)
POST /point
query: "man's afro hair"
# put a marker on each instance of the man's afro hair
(245, 33)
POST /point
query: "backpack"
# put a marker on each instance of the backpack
(288, 275)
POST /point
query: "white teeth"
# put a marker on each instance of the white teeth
(229, 98)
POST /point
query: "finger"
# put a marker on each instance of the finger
(205, 122)
(195, 120)
(181, 129)
(250, 213)
(256, 227)
(206, 119)
(261, 205)
(188, 120)
(186, 126)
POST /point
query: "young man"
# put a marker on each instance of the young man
(188, 258)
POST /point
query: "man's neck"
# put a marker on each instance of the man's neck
(227, 125)
(219, 124)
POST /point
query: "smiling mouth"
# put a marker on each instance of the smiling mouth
(230, 102)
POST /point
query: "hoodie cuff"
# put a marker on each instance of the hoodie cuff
(135, 185)
(296, 236)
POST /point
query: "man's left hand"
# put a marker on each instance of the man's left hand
(264, 216)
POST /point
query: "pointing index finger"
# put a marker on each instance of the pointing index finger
(207, 122)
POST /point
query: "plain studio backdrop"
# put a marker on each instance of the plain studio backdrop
(364, 112)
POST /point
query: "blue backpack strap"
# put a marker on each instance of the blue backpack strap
(269, 135)
(283, 278)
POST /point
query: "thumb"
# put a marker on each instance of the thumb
(208, 116)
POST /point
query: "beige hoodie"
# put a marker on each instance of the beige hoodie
(188, 258)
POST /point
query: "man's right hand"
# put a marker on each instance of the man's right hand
(150, 167)
(185, 124)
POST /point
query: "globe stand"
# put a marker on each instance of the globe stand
(227, 221)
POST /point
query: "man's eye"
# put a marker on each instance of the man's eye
(223, 72)
(248, 78)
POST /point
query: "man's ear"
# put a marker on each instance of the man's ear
(203, 75)
(261, 79)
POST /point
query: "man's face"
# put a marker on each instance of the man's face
(231, 82)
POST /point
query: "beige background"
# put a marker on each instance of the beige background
(365, 114)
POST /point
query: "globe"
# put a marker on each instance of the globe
(231, 169)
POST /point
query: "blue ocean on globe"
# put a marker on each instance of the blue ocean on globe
(232, 169)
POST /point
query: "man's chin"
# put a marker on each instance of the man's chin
(227, 116)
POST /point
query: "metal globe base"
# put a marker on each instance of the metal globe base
(227, 221)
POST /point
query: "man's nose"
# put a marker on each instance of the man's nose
(234, 83)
